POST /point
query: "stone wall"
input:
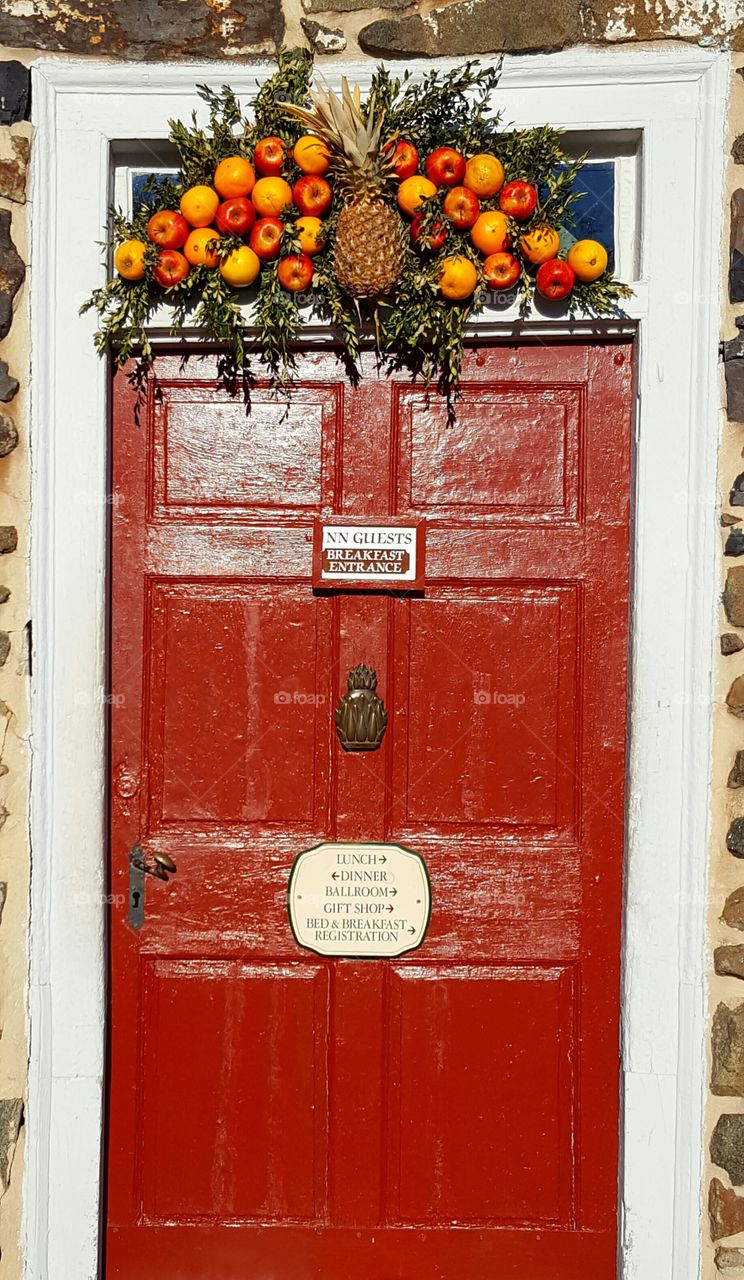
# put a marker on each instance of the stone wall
(724, 1246)
(214, 29)
(234, 30)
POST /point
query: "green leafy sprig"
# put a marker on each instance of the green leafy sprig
(290, 83)
(451, 109)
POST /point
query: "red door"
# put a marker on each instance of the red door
(451, 1114)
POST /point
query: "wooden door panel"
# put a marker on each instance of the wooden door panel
(256, 1092)
(236, 705)
(278, 1116)
(495, 744)
(493, 1052)
(209, 455)
(336, 1253)
(513, 454)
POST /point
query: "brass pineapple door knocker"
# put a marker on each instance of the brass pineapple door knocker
(361, 718)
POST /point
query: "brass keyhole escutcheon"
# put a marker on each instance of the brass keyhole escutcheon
(361, 718)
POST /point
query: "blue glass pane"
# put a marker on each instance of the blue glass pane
(594, 215)
(139, 181)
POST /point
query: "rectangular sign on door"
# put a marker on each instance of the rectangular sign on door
(369, 556)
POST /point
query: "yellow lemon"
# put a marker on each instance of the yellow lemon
(587, 259)
(240, 267)
(311, 154)
(310, 235)
(129, 259)
(412, 191)
(458, 279)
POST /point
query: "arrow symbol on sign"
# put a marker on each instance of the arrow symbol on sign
(383, 858)
(411, 930)
(390, 908)
(334, 875)
(393, 892)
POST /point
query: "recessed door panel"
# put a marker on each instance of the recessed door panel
(496, 743)
(514, 453)
(492, 1051)
(234, 1091)
(211, 455)
(232, 703)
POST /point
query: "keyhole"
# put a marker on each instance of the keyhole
(135, 899)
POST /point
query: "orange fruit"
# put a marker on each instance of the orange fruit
(240, 267)
(484, 174)
(458, 279)
(412, 191)
(196, 250)
(311, 154)
(310, 235)
(587, 259)
(129, 259)
(199, 205)
(540, 245)
(234, 176)
(270, 196)
(490, 234)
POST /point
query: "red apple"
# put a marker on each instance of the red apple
(518, 200)
(295, 272)
(555, 279)
(266, 238)
(312, 195)
(236, 216)
(405, 159)
(435, 238)
(269, 156)
(445, 167)
(168, 229)
(501, 270)
(462, 207)
(171, 268)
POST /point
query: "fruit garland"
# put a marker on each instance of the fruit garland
(397, 216)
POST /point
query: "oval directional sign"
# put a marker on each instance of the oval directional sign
(359, 900)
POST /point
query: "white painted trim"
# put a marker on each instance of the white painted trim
(677, 98)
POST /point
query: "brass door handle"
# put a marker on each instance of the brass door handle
(361, 718)
(161, 866)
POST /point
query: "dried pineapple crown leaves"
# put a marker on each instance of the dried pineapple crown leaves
(352, 129)
(413, 323)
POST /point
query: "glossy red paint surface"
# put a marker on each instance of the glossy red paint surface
(452, 1114)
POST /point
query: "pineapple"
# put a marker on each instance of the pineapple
(368, 254)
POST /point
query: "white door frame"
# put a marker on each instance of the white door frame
(677, 98)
